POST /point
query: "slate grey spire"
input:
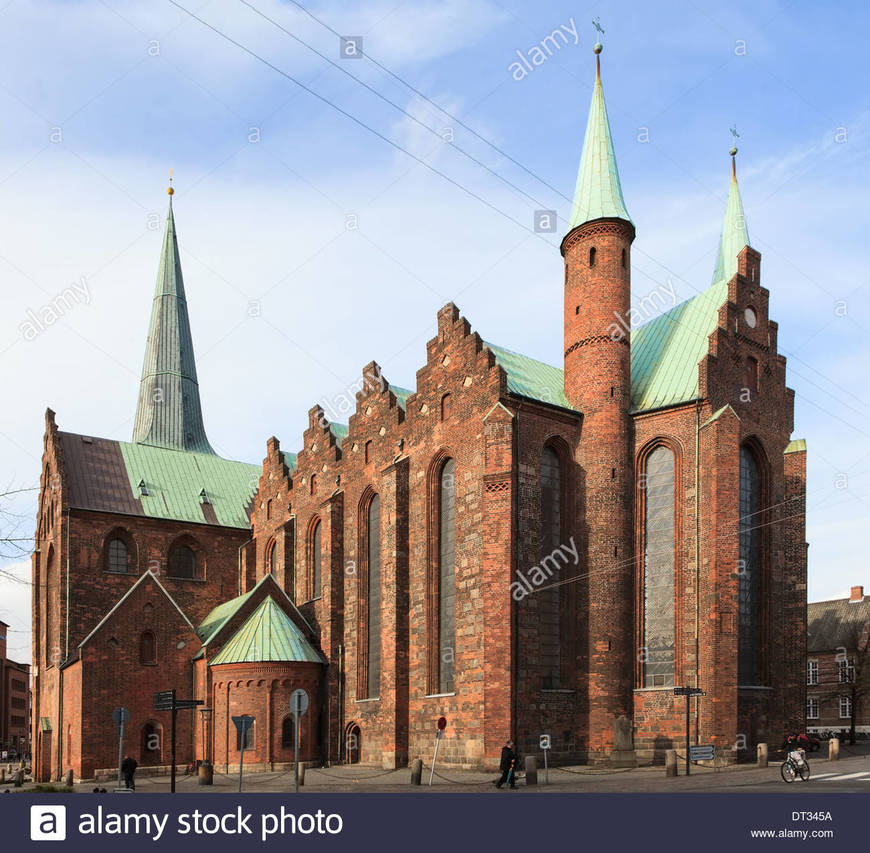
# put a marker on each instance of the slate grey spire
(169, 413)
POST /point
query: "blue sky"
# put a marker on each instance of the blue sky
(100, 98)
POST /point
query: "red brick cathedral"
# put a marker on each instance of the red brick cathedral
(521, 548)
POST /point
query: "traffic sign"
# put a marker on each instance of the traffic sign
(702, 752)
(299, 702)
(442, 723)
(120, 716)
(243, 723)
(545, 741)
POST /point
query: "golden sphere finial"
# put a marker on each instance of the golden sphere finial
(598, 48)
(170, 191)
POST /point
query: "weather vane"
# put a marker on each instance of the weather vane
(734, 135)
(599, 32)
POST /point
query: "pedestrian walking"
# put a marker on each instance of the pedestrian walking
(508, 766)
(128, 768)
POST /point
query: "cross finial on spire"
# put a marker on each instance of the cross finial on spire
(598, 46)
(733, 152)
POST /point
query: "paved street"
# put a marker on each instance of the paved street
(850, 774)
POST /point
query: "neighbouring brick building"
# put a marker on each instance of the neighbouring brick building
(519, 547)
(838, 663)
(14, 702)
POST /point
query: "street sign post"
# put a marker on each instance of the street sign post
(298, 705)
(688, 692)
(120, 716)
(439, 733)
(243, 725)
(165, 701)
(545, 746)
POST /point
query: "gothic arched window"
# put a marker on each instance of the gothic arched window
(749, 575)
(117, 556)
(446, 579)
(373, 627)
(270, 558)
(592, 253)
(147, 648)
(316, 558)
(182, 562)
(658, 569)
(550, 601)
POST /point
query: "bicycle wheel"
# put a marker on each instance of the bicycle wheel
(787, 771)
(805, 771)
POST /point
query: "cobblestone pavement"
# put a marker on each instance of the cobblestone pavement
(850, 773)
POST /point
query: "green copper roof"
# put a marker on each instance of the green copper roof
(174, 480)
(664, 357)
(798, 445)
(530, 378)
(169, 413)
(598, 193)
(402, 394)
(665, 352)
(268, 634)
(220, 615)
(735, 235)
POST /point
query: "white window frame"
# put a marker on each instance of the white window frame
(846, 670)
(812, 708)
(846, 702)
(812, 672)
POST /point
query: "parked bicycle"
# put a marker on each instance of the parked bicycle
(795, 765)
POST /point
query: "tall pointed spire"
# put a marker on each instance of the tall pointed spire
(169, 413)
(735, 234)
(599, 192)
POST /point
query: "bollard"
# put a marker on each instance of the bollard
(531, 770)
(762, 755)
(834, 749)
(416, 771)
(206, 773)
(301, 774)
(68, 779)
(670, 762)
(2, 775)
(18, 778)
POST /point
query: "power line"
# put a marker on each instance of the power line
(359, 122)
(393, 104)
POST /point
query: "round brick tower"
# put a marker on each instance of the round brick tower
(597, 253)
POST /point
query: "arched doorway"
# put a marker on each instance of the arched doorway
(353, 744)
(151, 751)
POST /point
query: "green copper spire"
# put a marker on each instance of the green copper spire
(735, 235)
(169, 413)
(598, 193)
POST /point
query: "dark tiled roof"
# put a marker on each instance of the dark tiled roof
(104, 475)
(831, 624)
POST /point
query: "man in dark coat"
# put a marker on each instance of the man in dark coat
(128, 768)
(507, 765)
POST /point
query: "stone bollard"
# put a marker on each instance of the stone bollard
(68, 779)
(762, 755)
(18, 778)
(834, 749)
(205, 773)
(301, 774)
(416, 771)
(531, 770)
(2, 775)
(670, 762)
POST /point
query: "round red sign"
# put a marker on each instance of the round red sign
(442, 723)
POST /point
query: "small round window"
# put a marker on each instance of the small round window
(751, 318)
